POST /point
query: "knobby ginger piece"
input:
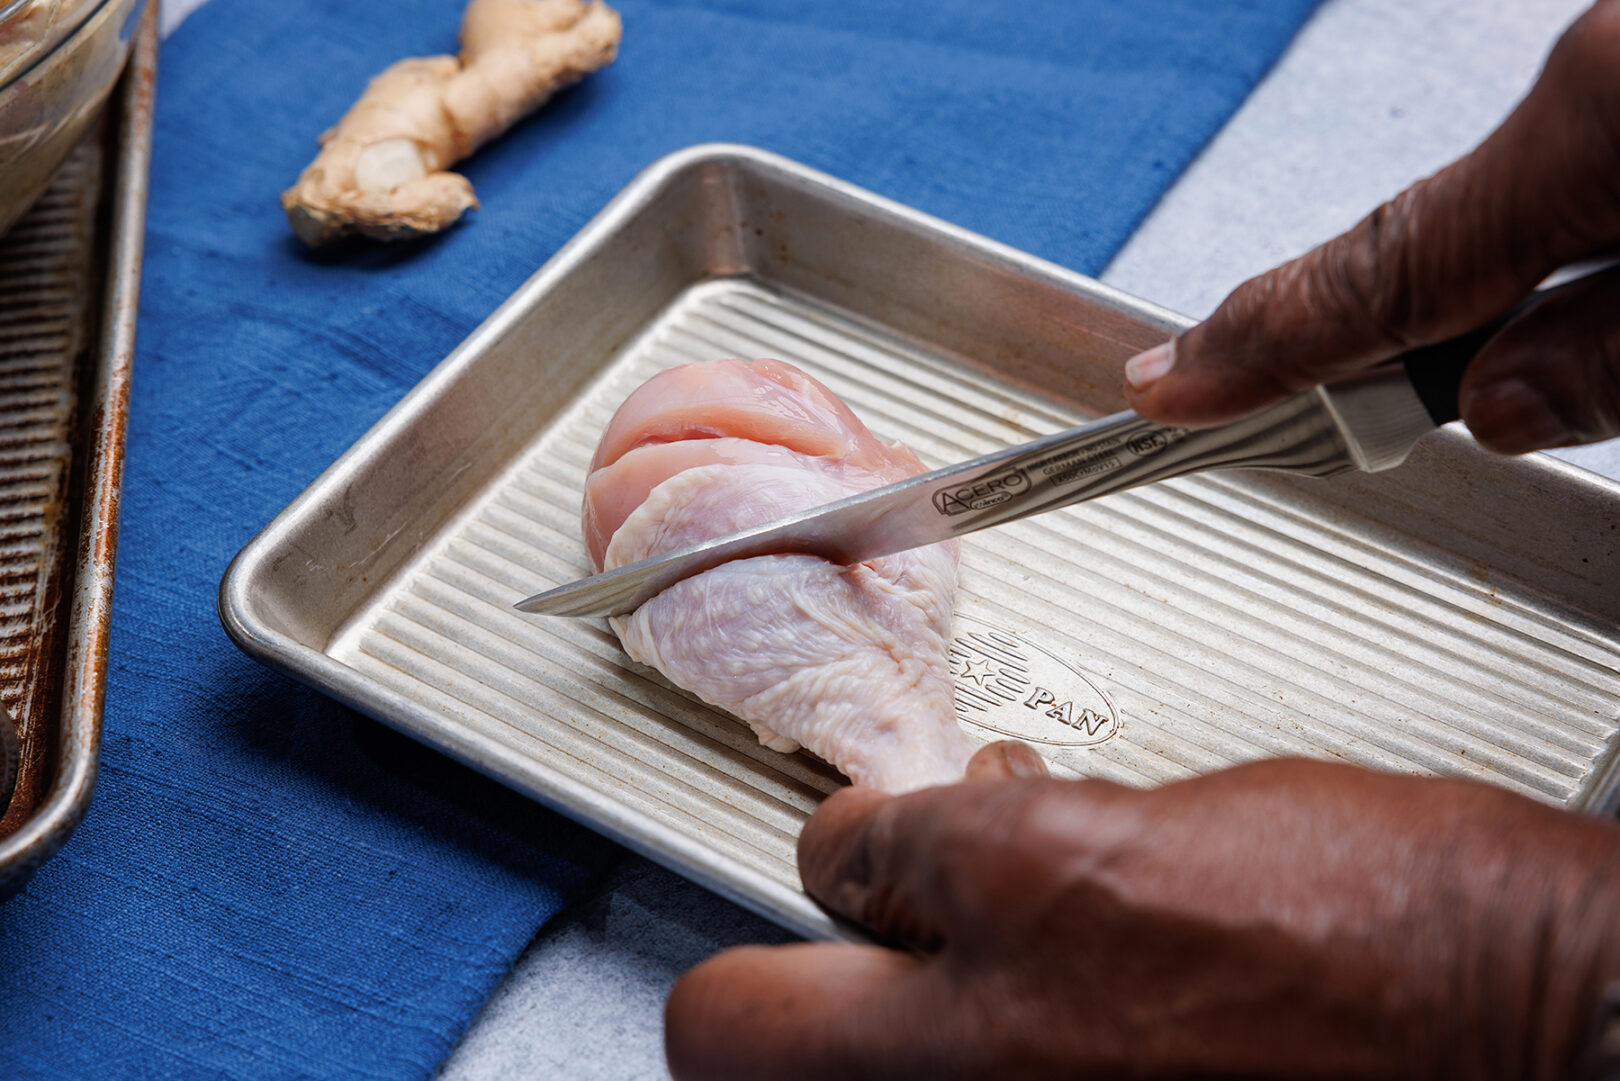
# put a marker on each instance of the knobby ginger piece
(383, 170)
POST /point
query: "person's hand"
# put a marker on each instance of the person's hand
(1449, 254)
(1285, 918)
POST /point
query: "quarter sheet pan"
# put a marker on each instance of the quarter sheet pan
(1455, 616)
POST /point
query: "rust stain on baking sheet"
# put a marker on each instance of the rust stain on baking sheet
(1481, 573)
(46, 278)
(54, 640)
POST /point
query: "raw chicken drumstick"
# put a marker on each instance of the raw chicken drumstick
(849, 662)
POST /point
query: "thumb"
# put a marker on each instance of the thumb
(1005, 759)
(1450, 253)
(810, 1011)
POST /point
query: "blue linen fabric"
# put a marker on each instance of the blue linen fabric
(268, 885)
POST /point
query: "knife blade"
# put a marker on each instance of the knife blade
(1367, 423)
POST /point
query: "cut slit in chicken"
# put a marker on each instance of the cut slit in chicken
(848, 662)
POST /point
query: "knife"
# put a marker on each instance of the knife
(1369, 422)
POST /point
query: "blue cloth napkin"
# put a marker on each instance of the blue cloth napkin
(268, 885)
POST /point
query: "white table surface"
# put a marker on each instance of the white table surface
(1372, 95)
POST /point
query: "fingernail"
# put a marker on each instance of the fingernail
(1512, 417)
(1020, 760)
(1024, 761)
(1145, 369)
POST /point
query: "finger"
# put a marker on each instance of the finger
(809, 1010)
(873, 858)
(850, 859)
(1449, 254)
(1551, 377)
(1004, 759)
(914, 868)
(880, 860)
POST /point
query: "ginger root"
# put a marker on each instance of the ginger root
(382, 171)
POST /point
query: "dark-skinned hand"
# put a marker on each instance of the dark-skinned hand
(1449, 254)
(1286, 918)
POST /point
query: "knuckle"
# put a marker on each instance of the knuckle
(1365, 289)
(1583, 91)
(1591, 45)
(1001, 833)
(1353, 299)
(1248, 334)
(834, 842)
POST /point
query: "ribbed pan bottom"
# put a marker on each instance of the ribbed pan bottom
(46, 265)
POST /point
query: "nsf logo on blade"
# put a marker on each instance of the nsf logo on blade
(982, 493)
(1148, 443)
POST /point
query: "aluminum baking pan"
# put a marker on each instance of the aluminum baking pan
(1455, 616)
(69, 285)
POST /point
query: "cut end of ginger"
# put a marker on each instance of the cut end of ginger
(383, 171)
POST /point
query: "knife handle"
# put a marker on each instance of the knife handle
(1436, 371)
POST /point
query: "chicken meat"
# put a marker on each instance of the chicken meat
(849, 662)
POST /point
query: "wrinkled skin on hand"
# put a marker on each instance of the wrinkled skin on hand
(1281, 919)
(1451, 253)
(1285, 918)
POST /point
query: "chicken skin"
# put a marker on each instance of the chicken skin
(849, 662)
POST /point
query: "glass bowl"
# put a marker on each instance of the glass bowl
(59, 60)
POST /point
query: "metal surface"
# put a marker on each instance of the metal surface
(1430, 619)
(69, 281)
(1317, 433)
(58, 63)
(10, 758)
